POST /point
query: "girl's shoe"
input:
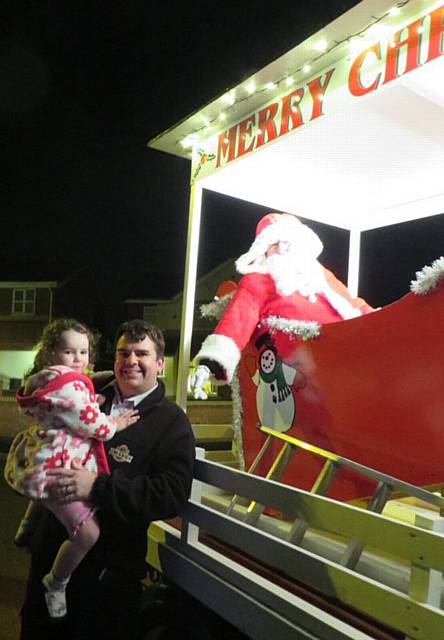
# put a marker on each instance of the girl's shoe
(55, 598)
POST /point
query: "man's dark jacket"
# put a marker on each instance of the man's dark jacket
(151, 466)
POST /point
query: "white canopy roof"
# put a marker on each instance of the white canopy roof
(378, 163)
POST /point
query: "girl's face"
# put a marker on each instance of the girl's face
(72, 350)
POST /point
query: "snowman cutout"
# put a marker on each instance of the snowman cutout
(275, 402)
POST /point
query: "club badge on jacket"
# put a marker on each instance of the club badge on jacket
(120, 453)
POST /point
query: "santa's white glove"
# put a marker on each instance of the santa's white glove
(198, 380)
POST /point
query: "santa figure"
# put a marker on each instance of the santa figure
(283, 284)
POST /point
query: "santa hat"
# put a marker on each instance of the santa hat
(283, 226)
(279, 226)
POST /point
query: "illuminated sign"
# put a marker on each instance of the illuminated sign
(413, 46)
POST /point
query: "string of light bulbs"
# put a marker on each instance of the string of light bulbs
(288, 79)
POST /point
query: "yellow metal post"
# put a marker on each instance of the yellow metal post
(189, 292)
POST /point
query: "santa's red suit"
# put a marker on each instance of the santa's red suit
(311, 293)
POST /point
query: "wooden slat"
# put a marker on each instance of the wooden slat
(213, 432)
(225, 458)
(416, 545)
(396, 484)
(418, 621)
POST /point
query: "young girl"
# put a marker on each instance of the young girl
(67, 427)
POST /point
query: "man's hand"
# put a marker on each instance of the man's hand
(69, 485)
(198, 380)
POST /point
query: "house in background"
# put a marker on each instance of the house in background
(25, 308)
(166, 314)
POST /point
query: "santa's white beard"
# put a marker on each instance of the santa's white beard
(291, 274)
(295, 271)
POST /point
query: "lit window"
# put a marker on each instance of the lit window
(23, 301)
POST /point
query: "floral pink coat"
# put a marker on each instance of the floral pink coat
(67, 426)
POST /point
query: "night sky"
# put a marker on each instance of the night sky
(85, 85)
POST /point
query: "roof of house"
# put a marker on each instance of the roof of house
(31, 272)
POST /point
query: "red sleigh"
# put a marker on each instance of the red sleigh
(372, 392)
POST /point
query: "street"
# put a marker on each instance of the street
(13, 561)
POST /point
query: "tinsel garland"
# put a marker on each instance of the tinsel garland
(428, 278)
(306, 330)
(237, 419)
(216, 308)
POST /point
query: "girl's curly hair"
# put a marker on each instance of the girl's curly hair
(50, 340)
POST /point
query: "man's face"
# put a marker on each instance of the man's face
(136, 366)
(280, 248)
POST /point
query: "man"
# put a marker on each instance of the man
(151, 473)
(283, 287)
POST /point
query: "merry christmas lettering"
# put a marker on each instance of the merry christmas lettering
(390, 61)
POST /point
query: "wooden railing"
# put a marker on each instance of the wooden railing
(254, 594)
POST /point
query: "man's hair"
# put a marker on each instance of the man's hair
(137, 330)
